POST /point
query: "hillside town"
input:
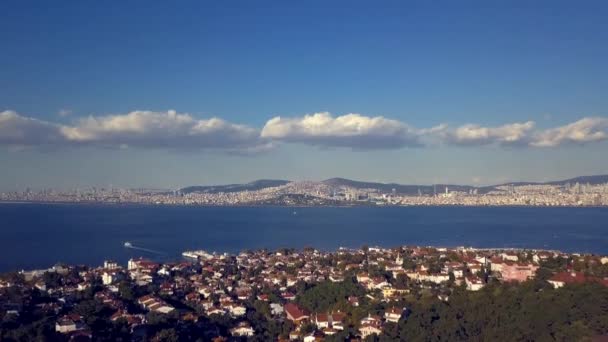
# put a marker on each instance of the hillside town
(284, 295)
(308, 193)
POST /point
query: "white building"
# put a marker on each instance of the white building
(393, 314)
(474, 283)
(243, 329)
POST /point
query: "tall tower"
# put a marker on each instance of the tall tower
(399, 260)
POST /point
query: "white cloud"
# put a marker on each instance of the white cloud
(135, 129)
(172, 130)
(162, 129)
(19, 131)
(472, 134)
(585, 130)
(351, 130)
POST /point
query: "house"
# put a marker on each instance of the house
(236, 310)
(474, 283)
(321, 320)
(496, 264)
(110, 265)
(329, 320)
(518, 271)
(69, 323)
(393, 314)
(288, 296)
(336, 278)
(330, 331)
(164, 271)
(40, 285)
(242, 329)
(392, 292)
(362, 277)
(111, 277)
(560, 279)
(132, 320)
(509, 256)
(142, 264)
(243, 295)
(543, 255)
(215, 311)
(456, 268)
(337, 320)
(436, 278)
(166, 289)
(276, 309)
(314, 336)
(205, 291)
(474, 268)
(295, 335)
(296, 313)
(373, 320)
(193, 297)
(189, 317)
(377, 283)
(142, 279)
(366, 330)
(155, 304)
(391, 267)
(291, 281)
(84, 286)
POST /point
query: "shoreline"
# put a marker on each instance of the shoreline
(181, 257)
(251, 205)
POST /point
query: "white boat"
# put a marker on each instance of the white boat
(189, 254)
(128, 244)
(200, 254)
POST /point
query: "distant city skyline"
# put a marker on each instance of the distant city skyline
(201, 94)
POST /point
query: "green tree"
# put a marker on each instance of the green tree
(167, 335)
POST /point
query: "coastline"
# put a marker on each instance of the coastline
(181, 257)
(252, 205)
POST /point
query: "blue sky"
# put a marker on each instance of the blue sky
(100, 79)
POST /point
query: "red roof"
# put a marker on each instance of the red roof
(576, 278)
(295, 312)
(569, 277)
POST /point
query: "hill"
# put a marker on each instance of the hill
(593, 180)
(252, 186)
(403, 189)
(400, 188)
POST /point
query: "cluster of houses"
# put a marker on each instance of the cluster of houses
(227, 285)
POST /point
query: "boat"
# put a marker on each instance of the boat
(189, 254)
(128, 244)
(200, 254)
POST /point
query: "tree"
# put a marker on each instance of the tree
(52, 279)
(126, 291)
(401, 281)
(167, 335)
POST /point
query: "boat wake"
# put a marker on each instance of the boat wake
(131, 246)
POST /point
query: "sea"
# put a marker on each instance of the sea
(37, 236)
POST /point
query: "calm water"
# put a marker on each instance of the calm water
(37, 235)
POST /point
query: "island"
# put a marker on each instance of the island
(410, 293)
